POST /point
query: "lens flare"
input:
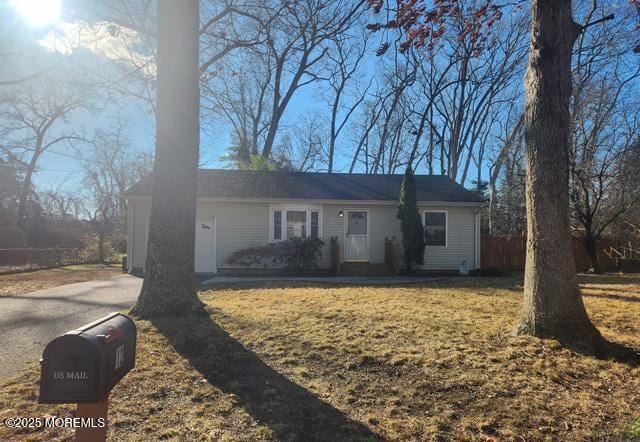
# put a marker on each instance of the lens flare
(38, 13)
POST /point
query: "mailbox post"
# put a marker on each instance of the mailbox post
(96, 411)
(82, 366)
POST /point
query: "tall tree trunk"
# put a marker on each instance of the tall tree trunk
(553, 306)
(591, 245)
(168, 287)
(25, 188)
(491, 206)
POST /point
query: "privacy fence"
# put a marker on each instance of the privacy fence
(30, 258)
(509, 253)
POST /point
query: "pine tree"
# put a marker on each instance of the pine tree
(410, 223)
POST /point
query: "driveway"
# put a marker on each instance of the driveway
(28, 322)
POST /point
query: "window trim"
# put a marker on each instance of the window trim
(308, 208)
(446, 225)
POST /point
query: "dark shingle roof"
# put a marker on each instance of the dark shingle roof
(223, 183)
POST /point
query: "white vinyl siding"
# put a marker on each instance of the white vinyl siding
(139, 219)
(244, 224)
(461, 237)
(238, 226)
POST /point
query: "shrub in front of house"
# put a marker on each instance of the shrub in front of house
(252, 257)
(296, 254)
(299, 253)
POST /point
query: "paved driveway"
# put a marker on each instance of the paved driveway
(28, 322)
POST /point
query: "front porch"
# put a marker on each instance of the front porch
(390, 267)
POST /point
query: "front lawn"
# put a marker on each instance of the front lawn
(293, 362)
(25, 282)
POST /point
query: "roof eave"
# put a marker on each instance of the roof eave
(318, 200)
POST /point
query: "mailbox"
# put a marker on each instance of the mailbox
(83, 365)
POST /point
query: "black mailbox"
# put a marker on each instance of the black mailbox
(83, 365)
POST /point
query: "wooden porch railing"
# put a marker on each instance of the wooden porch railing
(392, 254)
(335, 256)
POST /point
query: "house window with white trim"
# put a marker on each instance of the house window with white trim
(435, 228)
(295, 222)
(277, 225)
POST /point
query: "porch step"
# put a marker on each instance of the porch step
(365, 269)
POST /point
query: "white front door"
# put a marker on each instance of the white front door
(357, 236)
(205, 253)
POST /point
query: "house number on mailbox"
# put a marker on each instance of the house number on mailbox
(119, 356)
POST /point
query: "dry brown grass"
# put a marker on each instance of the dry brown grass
(362, 363)
(25, 282)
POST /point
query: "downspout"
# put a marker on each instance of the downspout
(477, 238)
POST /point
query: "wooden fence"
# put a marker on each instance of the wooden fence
(509, 253)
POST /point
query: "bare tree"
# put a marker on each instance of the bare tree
(110, 167)
(442, 108)
(507, 212)
(301, 36)
(503, 160)
(377, 144)
(476, 85)
(61, 203)
(344, 60)
(256, 88)
(603, 135)
(399, 78)
(363, 127)
(36, 118)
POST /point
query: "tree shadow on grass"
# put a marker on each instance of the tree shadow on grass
(609, 278)
(613, 296)
(605, 349)
(291, 411)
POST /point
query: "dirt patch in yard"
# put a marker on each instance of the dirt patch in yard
(25, 282)
(363, 363)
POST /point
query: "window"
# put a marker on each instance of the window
(277, 225)
(356, 223)
(435, 228)
(295, 222)
(315, 225)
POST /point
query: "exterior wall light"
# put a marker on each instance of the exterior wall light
(340, 214)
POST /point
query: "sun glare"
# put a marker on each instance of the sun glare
(38, 12)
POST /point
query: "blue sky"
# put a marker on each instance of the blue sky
(60, 164)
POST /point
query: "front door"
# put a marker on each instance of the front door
(205, 253)
(357, 236)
